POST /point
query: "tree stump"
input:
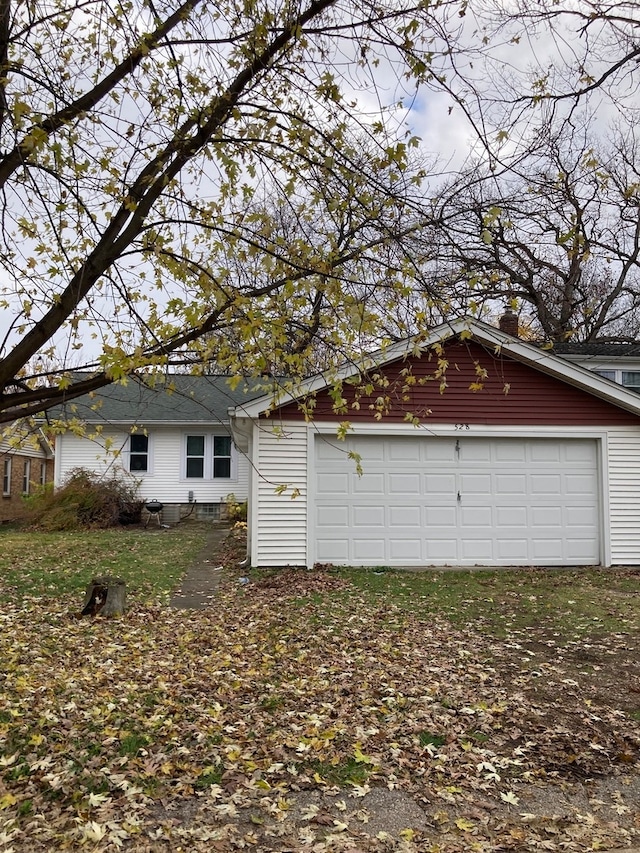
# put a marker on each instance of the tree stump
(105, 596)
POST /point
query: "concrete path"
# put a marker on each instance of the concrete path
(199, 585)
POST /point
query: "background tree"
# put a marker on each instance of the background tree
(547, 215)
(558, 233)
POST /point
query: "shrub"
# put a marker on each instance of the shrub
(236, 511)
(84, 500)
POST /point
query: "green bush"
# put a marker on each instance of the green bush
(236, 511)
(84, 500)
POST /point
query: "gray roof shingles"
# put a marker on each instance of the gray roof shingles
(174, 399)
(605, 350)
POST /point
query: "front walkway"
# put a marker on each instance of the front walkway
(199, 585)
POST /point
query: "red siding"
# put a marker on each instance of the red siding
(512, 393)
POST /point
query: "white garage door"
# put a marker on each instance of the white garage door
(457, 501)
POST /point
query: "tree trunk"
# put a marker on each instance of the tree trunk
(105, 596)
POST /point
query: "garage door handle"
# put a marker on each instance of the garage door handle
(459, 498)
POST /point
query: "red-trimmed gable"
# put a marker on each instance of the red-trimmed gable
(511, 393)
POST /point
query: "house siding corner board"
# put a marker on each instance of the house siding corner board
(282, 517)
(624, 495)
(511, 393)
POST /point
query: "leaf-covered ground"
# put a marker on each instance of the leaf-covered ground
(299, 713)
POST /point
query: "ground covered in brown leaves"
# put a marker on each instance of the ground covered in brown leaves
(291, 715)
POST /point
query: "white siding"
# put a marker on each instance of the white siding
(165, 479)
(624, 494)
(280, 519)
(17, 442)
(73, 451)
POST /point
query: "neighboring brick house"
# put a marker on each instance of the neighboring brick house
(26, 461)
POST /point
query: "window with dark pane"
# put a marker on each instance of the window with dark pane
(195, 456)
(222, 456)
(631, 379)
(139, 452)
(607, 374)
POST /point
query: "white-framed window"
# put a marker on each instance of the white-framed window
(627, 378)
(222, 457)
(208, 456)
(6, 477)
(138, 453)
(26, 476)
(195, 457)
(607, 374)
(43, 473)
(631, 379)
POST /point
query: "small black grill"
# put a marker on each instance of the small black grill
(153, 508)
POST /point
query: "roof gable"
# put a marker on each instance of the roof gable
(465, 383)
(482, 343)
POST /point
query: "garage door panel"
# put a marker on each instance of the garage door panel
(368, 484)
(492, 502)
(581, 516)
(369, 549)
(405, 516)
(440, 484)
(408, 451)
(546, 484)
(332, 516)
(472, 450)
(511, 516)
(332, 550)
(578, 451)
(441, 551)
(512, 550)
(476, 516)
(328, 450)
(441, 516)
(546, 516)
(547, 549)
(373, 451)
(510, 451)
(578, 549)
(439, 451)
(368, 516)
(405, 550)
(404, 484)
(510, 484)
(579, 484)
(476, 484)
(332, 484)
(545, 451)
(475, 550)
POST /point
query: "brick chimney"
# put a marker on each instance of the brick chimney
(508, 323)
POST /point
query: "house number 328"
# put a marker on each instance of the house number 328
(462, 426)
